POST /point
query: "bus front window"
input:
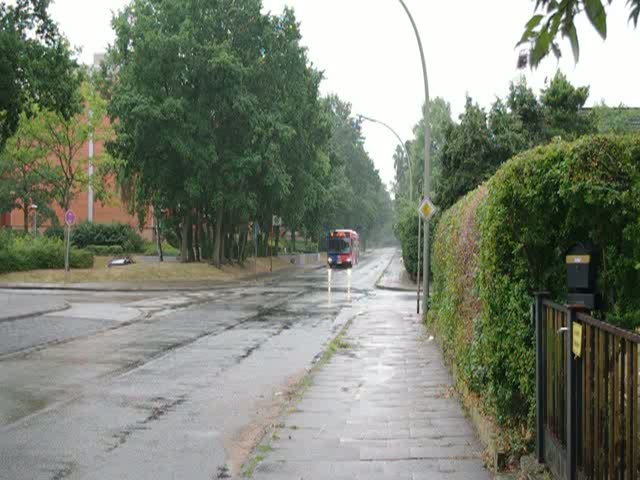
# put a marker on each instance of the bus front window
(339, 245)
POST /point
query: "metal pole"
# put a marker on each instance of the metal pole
(418, 277)
(66, 253)
(404, 147)
(427, 160)
(90, 187)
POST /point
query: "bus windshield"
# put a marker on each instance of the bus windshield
(339, 245)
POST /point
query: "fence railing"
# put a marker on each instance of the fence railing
(587, 395)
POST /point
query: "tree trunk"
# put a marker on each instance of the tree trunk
(159, 238)
(184, 239)
(218, 241)
(198, 233)
(293, 240)
(277, 245)
(191, 257)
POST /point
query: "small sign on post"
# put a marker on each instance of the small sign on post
(427, 209)
(577, 339)
(69, 220)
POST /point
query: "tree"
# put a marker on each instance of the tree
(563, 106)
(220, 121)
(468, 156)
(61, 141)
(557, 18)
(35, 65)
(25, 173)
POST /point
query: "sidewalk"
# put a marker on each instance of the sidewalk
(395, 277)
(381, 408)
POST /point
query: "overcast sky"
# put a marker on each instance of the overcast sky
(370, 57)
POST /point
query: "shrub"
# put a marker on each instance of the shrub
(121, 234)
(21, 254)
(407, 232)
(55, 232)
(507, 239)
(105, 250)
(152, 249)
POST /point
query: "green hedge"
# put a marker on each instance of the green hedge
(406, 229)
(507, 239)
(150, 248)
(21, 254)
(105, 250)
(86, 233)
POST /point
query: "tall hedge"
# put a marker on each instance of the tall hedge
(507, 239)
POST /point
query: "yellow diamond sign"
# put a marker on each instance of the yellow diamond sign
(426, 209)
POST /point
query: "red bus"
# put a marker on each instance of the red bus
(343, 248)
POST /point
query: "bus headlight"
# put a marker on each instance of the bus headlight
(330, 260)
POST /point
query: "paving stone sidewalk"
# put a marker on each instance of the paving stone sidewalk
(382, 408)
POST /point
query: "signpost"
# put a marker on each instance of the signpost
(426, 210)
(69, 220)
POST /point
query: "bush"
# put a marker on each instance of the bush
(407, 232)
(105, 250)
(21, 254)
(121, 234)
(151, 249)
(55, 232)
(507, 239)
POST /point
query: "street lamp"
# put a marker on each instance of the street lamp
(34, 207)
(427, 160)
(404, 147)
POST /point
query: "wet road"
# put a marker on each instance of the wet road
(168, 386)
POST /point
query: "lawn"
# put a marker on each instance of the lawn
(144, 271)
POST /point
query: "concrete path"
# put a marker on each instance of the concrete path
(381, 408)
(396, 277)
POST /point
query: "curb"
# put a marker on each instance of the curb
(159, 289)
(37, 313)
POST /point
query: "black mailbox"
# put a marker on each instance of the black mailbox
(581, 275)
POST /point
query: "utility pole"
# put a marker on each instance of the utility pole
(427, 160)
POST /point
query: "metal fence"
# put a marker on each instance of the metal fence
(587, 395)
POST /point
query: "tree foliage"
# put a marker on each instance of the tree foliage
(219, 123)
(35, 65)
(553, 19)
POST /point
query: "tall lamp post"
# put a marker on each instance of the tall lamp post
(404, 147)
(427, 161)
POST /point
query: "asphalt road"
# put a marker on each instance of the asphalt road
(164, 386)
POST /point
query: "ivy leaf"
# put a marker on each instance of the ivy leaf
(597, 16)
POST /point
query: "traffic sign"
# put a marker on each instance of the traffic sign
(69, 217)
(276, 221)
(426, 209)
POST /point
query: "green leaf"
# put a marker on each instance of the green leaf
(597, 16)
(556, 50)
(635, 13)
(534, 22)
(575, 45)
(540, 48)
